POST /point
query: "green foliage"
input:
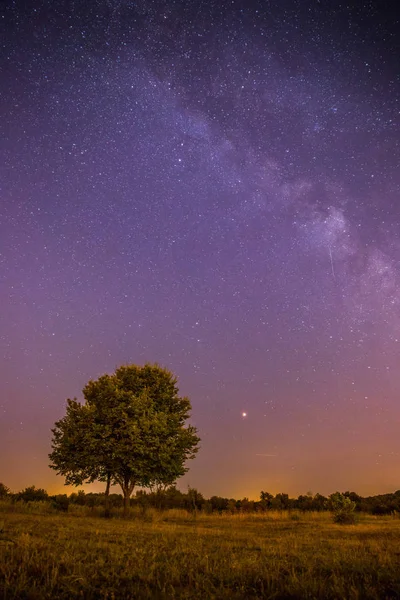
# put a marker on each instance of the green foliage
(72, 454)
(131, 429)
(342, 508)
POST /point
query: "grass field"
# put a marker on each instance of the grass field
(174, 555)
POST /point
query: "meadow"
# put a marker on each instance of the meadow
(175, 554)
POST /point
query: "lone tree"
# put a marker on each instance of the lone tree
(130, 431)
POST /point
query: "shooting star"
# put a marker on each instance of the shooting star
(333, 270)
(266, 455)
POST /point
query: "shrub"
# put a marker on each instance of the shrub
(342, 508)
(60, 502)
(32, 494)
(344, 518)
(381, 509)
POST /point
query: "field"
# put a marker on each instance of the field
(177, 555)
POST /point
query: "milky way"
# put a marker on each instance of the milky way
(216, 189)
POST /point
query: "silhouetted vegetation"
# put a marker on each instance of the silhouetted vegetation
(4, 491)
(31, 494)
(170, 497)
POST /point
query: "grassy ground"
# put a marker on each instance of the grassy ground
(174, 555)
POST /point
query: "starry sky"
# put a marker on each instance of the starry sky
(213, 186)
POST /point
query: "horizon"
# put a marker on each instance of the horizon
(99, 488)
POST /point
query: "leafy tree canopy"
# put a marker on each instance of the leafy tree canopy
(131, 430)
(32, 494)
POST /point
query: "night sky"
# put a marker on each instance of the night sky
(213, 186)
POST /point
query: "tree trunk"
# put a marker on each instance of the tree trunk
(127, 487)
(127, 496)
(107, 512)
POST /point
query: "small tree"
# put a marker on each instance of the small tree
(130, 431)
(265, 500)
(280, 502)
(194, 500)
(342, 508)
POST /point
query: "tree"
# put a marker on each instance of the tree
(77, 452)
(265, 500)
(194, 500)
(280, 502)
(354, 498)
(319, 502)
(218, 504)
(130, 431)
(32, 494)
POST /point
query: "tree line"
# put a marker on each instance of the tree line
(193, 500)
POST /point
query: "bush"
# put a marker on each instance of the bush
(60, 502)
(381, 509)
(32, 494)
(342, 508)
(344, 518)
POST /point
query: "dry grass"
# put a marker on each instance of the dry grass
(173, 555)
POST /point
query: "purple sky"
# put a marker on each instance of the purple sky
(214, 187)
